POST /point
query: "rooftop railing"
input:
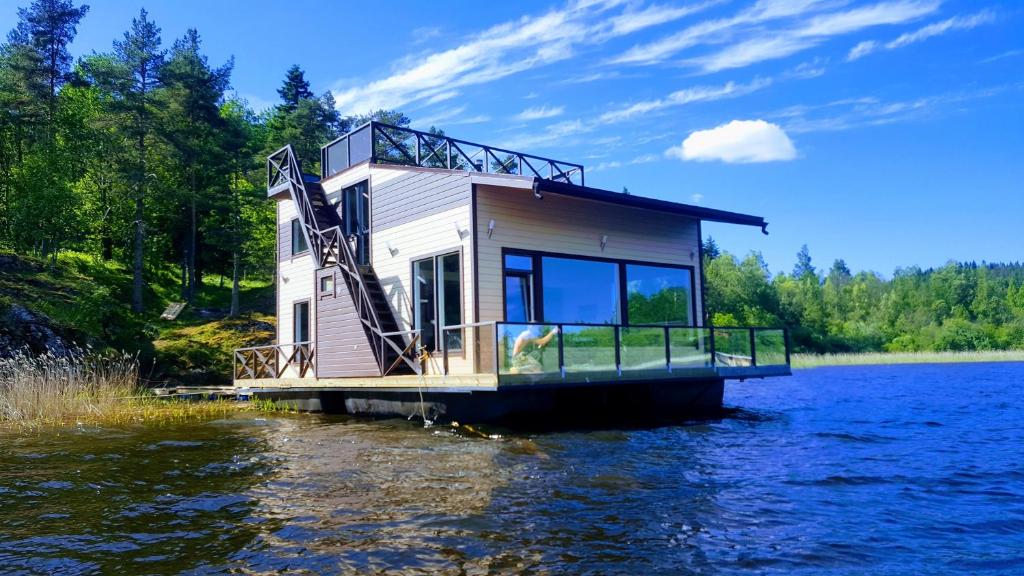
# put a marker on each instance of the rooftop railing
(380, 143)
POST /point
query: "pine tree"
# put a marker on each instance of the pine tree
(295, 89)
(710, 249)
(803, 264)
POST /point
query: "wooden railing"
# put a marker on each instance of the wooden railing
(275, 361)
(329, 248)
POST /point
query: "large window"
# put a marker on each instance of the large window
(659, 295)
(299, 244)
(437, 299)
(564, 290)
(580, 291)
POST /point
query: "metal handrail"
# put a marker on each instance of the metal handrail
(452, 148)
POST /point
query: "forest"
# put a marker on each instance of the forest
(142, 156)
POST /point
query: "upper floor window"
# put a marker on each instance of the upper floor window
(299, 244)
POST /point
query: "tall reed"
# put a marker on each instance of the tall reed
(52, 388)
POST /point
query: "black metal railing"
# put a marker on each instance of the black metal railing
(380, 143)
(550, 352)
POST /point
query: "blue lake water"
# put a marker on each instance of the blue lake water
(881, 470)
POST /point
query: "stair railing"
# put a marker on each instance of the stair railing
(284, 170)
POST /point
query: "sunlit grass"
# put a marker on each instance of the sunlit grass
(88, 389)
(867, 358)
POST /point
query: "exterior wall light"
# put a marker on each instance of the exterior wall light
(490, 228)
(604, 242)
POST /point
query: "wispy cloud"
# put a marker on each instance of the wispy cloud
(717, 30)
(642, 159)
(738, 142)
(539, 112)
(1003, 56)
(812, 32)
(503, 50)
(936, 29)
(854, 113)
(451, 117)
(683, 97)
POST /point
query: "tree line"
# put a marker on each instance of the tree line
(142, 154)
(960, 306)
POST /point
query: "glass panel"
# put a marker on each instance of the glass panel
(299, 244)
(327, 284)
(732, 347)
(450, 293)
(355, 219)
(589, 349)
(518, 262)
(337, 157)
(580, 291)
(642, 349)
(770, 347)
(527, 349)
(359, 145)
(301, 322)
(659, 295)
(689, 347)
(518, 306)
(424, 301)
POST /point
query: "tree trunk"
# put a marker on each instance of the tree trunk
(192, 243)
(235, 288)
(140, 226)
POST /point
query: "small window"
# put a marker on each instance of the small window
(298, 238)
(327, 285)
(300, 319)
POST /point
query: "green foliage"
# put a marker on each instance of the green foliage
(959, 307)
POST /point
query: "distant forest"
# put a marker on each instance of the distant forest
(142, 155)
(960, 306)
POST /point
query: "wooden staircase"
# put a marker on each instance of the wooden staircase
(394, 349)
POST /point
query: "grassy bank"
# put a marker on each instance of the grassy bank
(84, 301)
(869, 358)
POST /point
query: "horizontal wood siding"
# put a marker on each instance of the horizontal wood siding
(575, 226)
(295, 275)
(343, 350)
(400, 196)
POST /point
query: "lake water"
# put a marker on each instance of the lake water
(882, 470)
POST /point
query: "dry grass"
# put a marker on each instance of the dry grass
(86, 388)
(818, 360)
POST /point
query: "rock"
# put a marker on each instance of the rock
(21, 328)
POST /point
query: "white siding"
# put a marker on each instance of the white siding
(295, 279)
(569, 225)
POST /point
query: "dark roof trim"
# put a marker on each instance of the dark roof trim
(699, 212)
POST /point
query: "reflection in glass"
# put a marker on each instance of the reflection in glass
(451, 299)
(424, 302)
(589, 349)
(659, 295)
(519, 288)
(580, 291)
(527, 349)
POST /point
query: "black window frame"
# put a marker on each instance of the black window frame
(538, 283)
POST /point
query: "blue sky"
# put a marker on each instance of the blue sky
(889, 133)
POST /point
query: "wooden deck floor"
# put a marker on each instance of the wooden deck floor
(469, 383)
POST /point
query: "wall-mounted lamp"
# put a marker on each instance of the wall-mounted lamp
(604, 241)
(463, 234)
(392, 250)
(536, 189)
(693, 254)
(490, 228)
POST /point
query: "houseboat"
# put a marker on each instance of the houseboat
(424, 276)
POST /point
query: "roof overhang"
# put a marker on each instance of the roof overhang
(541, 186)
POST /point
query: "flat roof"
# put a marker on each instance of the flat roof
(622, 199)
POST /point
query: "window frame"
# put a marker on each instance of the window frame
(295, 229)
(435, 258)
(309, 322)
(623, 288)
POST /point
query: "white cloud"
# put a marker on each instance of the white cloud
(539, 112)
(451, 117)
(682, 97)
(739, 141)
(501, 51)
(861, 50)
(710, 31)
(696, 198)
(924, 33)
(814, 31)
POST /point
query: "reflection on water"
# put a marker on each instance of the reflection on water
(852, 470)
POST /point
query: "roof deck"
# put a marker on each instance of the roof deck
(379, 143)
